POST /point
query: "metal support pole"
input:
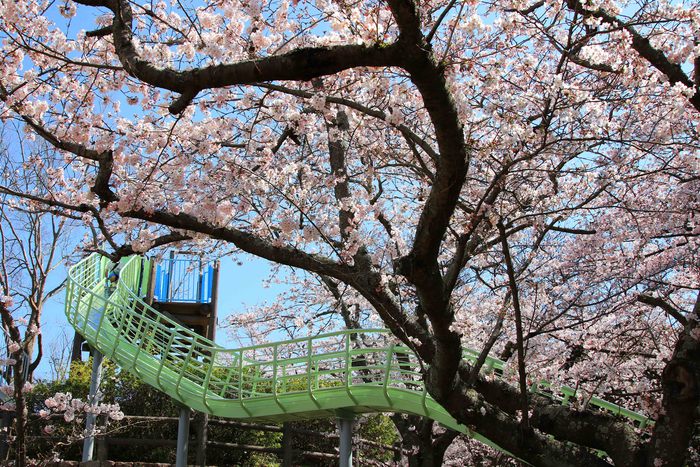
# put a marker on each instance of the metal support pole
(168, 286)
(93, 400)
(345, 425)
(183, 435)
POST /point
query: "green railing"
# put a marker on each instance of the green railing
(352, 371)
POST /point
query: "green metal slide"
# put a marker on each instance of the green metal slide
(344, 372)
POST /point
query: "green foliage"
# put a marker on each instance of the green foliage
(380, 429)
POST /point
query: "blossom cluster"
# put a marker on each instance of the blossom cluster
(71, 408)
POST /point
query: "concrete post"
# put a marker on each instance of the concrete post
(183, 437)
(93, 400)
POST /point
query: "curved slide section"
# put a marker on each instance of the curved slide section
(344, 372)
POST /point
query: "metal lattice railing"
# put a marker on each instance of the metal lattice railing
(184, 280)
(174, 358)
(359, 370)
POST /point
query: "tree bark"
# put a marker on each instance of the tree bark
(428, 449)
(21, 412)
(681, 399)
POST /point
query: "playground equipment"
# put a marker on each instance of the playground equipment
(184, 287)
(340, 374)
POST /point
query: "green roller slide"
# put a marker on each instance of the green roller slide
(344, 372)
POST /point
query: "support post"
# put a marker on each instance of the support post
(93, 400)
(210, 332)
(168, 287)
(183, 435)
(287, 453)
(151, 283)
(345, 424)
(102, 449)
(201, 455)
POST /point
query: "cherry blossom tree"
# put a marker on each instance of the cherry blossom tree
(31, 247)
(519, 177)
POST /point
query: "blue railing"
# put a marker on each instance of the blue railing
(183, 280)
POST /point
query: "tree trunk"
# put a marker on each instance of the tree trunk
(417, 433)
(430, 453)
(21, 413)
(681, 400)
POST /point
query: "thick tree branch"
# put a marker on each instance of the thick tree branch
(247, 242)
(101, 32)
(167, 239)
(598, 430)
(301, 64)
(503, 429)
(664, 305)
(341, 189)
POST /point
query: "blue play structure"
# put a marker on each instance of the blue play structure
(183, 279)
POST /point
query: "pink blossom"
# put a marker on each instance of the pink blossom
(287, 225)
(69, 415)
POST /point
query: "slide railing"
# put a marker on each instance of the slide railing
(351, 371)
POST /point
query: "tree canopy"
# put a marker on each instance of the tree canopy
(518, 176)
